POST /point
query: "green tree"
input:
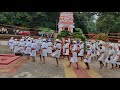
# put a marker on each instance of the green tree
(64, 34)
(116, 26)
(105, 23)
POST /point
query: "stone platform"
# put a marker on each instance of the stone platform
(6, 60)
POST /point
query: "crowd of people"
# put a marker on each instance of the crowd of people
(3, 30)
(92, 51)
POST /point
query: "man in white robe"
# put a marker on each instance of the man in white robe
(116, 59)
(74, 54)
(81, 53)
(21, 46)
(44, 50)
(11, 44)
(87, 58)
(49, 48)
(57, 52)
(66, 49)
(28, 48)
(40, 50)
(16, 46)
(110, 56)
(102, 55)
(33, 50)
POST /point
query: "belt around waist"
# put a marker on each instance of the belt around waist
(49, 46)
(44, 48)
(74, 51)
(57, 49)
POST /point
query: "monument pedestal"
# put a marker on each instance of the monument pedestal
(7, 60)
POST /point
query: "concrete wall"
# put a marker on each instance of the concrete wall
(4, 43)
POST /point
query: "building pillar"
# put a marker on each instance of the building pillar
(71, 30)
(60, 29)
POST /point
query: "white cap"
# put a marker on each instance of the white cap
(11, 37)
(39, 38)
(44, 39)
(57, 40)
(74, 42)
(88, 44)
(100, 42)
(66, 41)
(15, 39)
(31, 38)
(21, 40)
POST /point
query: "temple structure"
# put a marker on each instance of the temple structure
(66, 22)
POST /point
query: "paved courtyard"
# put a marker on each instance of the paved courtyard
(27, 69)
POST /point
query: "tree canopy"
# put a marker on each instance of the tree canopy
(106, 22)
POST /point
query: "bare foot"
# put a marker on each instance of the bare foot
(68, 65)
(77, 68)
(87, 68)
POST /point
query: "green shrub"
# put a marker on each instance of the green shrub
(102, 37)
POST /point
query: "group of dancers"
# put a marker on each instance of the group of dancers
(89, 51)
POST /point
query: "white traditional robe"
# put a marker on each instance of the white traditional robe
(66, 49)
(88, 56)
(28, 47)
(11, 44)
(117, 58)
(49, 49)
(102, 54)
(21, 46)
(57, 52)
(33, 49)
(38, 46)
(16, 46)
(110, 55)
(74, 56)
(81, 53)
(44, 49)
